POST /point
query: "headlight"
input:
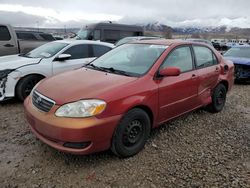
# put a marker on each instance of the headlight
(82, 108)
(4, 73)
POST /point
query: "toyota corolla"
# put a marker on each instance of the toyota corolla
(115, 101)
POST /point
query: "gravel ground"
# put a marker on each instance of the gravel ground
(197, 150)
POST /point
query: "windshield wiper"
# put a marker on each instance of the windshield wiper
(112, 70)
(23, 55)
(95, 67)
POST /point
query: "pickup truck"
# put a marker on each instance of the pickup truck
(15, 42)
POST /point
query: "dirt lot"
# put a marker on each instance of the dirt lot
(197, 150)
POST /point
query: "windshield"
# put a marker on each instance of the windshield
(133, 59)
(47, 50)
(83, 34)
(238, 52)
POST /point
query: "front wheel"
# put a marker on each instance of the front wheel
(218, 99)
(26, 85)
(131, 133)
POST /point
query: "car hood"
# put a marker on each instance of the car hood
(81, 84)
(16, 61)
(239, 60)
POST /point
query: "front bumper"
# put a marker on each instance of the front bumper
(56, 132)
(242, 71)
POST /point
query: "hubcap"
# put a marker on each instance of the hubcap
(133, 133)
(220, 99)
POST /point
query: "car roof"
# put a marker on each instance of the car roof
(140, 37)
(167, 42)
(74, 42)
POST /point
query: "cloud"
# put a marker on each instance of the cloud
(171, 12)
(20, 19)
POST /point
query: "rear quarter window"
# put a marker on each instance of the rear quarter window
(4, 33)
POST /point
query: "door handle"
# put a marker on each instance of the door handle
(8, 45)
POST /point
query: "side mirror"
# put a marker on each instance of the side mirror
(170, 71)
(62, 57)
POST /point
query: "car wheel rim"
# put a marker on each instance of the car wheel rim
(220, 99)
(133, 133)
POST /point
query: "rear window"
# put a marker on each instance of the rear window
(26, 36)
(243, 52)
(4, 33)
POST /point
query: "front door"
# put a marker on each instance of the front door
(178, 94)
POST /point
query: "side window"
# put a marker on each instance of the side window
(26, 36)
(126, 34)
(97, 34)
(4, 33)
(181, 58)
(47, 37)
(111, 35)
(78, 51)
(99, 50)
(204, 57)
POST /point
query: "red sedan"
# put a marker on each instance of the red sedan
(116, 100)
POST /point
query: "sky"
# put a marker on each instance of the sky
(175, 13)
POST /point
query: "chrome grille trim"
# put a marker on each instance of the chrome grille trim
(42, 102)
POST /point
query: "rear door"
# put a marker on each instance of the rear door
(8, 44)
(208, 69)
(81, 54)
(178, 94)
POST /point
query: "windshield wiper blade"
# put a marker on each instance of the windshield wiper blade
(111, 69)
(95, 67)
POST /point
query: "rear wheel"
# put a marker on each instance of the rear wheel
(218, 99)
(26, 85)
(131, 134)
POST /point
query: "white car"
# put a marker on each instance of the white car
(20, 73)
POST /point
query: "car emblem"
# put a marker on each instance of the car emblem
(38, 100)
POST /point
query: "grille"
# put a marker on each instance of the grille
(41, 102)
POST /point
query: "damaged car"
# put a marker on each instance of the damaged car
(20, 73)
(240, 55)
(115, 101)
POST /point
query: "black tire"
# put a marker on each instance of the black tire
(25, 86)
(131, 133)
(218, 99)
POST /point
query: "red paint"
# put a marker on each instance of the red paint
(166, 98)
